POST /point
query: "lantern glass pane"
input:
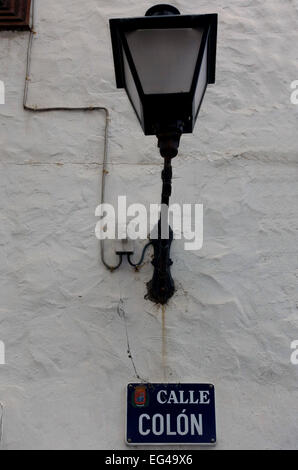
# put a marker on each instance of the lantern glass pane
(202, 81)
(165, 59)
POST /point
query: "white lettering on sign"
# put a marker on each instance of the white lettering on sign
(183, 398)
(158, 425)
(171, 426)
(169, 432)
(141, 424)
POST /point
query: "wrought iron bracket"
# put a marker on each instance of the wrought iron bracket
(162, 287)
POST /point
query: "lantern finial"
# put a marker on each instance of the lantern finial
(162, 10)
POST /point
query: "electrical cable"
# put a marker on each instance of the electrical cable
(36, 109)
(142, 257)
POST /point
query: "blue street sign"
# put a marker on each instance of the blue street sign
(170, 414)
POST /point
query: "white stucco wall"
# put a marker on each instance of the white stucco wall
(65, 319)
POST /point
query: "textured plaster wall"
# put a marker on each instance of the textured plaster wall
(66, 322)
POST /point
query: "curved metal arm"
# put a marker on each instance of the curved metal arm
(108, 266)
(142, 257)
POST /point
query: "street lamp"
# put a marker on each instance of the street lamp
(165, 62)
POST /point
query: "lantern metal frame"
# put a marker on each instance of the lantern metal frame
(173, 106)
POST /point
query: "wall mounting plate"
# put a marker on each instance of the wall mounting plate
(15, 15)
(124, 247)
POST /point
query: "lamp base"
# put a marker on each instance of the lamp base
(161, 288)
(168, 143)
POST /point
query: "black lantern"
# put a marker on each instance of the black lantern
(165, 62)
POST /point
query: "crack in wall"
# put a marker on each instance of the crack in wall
(122, 314)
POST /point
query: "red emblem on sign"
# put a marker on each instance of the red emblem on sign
(140, 396)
